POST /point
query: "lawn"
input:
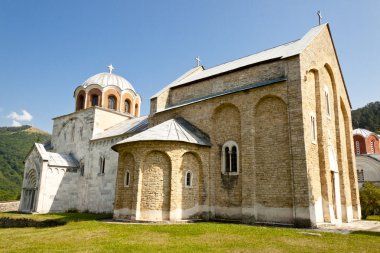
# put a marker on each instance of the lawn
(83, 233)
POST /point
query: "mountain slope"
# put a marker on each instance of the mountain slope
(367, 117)
(15, 143)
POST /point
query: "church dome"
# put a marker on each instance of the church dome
(108, 79)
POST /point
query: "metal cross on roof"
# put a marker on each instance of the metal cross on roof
(319, 17)
(198, 61)
(110, 68)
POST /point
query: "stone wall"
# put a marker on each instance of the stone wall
(331, 159)
(9, 206)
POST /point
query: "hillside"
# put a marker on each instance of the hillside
(367, 117)
(15, 143)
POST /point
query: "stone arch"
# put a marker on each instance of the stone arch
(155, 187)
(80, 100)
(94, 92)
(124, 195)
(30, 190)
(352, 194)
(274, 186)
(321, 146)
(193, 195)
(226, 126)
(111, 92)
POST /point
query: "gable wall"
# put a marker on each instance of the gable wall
(319, 73)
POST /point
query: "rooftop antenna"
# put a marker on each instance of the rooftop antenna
(319, 17)
(110, 68)
(198, 61)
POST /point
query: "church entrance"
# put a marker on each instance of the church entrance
(155, 189)
(30, 192)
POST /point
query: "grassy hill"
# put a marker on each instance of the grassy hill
(367, 117)
(15, 143)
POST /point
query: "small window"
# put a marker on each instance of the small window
(102, 164)
(189, 179)
(112, 102)
(94, 100)
(127, 106)
(327, 102)
(230, 158)
(81, 168)
(127, 178)
(357, 147)
(313, 129)
(372, 147)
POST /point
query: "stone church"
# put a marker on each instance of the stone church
(262, 139)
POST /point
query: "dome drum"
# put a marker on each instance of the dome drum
(110, 91)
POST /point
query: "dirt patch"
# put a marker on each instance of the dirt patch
(6, 222)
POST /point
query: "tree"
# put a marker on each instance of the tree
(369, 199)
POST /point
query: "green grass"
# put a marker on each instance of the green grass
(373, 217)
(83, 233)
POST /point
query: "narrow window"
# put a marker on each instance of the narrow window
(127, 106)
(81, 168)
(357, 147)
(372, 147)
(94, 101)
(234, 159)
(127, 178)
(313, 129)
(327, 103)
(102, 163)
(189, 179)
(112, 102)
(227, 159)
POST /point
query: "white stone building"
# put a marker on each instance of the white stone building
(77, 169)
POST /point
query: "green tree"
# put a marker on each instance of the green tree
(369, 199)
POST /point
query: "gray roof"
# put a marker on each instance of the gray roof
(177, 129)
(124, 127)
(280, 52)
(56, 159)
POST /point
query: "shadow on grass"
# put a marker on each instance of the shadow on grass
(371, 233)
(19, 220)
(7, 222)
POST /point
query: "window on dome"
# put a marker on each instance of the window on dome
(112, 102)
(127, 106)
(80, 104)
(94, 100)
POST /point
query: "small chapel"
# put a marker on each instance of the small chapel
(265, 138)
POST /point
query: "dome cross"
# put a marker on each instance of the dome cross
(110, 68)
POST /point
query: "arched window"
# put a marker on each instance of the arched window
(95, 100)
(102, 164)
(189, 179)
(80, 102)
(230, 158)
(127, 106)
(127, 178)
(112, 102)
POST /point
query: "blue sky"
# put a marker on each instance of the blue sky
(48, 48)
